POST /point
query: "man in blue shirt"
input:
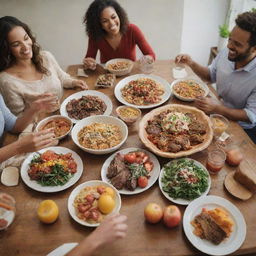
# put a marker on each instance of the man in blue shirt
(234, 71)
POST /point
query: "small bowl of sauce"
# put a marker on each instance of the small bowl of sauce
(128, 114)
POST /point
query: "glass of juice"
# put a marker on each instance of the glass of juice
(7, 210)
(215, 160)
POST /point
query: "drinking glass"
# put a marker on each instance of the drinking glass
(215, 160)
(146, 64)
(179, 71)
(7, 210)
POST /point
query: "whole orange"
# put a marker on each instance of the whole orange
(48, 211)
(153, 212)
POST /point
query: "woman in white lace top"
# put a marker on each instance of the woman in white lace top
(26, 72)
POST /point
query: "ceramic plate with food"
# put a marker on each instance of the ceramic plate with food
(90, 202)
(143, 91)
(84, 104)
(52, 169)
(124, 169)
(221, 229)
(183, 180)
(175, 130)
(189, 89)
(119, 66)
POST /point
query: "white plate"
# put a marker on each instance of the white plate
(154, 173)
(125, 81)
(204, 86)
(49, 189)
(179, 200)
(230, 244)
(75, 192)
(79, 95)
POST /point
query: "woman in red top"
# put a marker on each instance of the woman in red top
(109, 31)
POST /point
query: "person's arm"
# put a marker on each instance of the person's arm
(89, 59)
(142, 43)
(112, 228)
(201, 71)
(66, 80)
(30, 143)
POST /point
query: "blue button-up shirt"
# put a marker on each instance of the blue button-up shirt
(237, 87)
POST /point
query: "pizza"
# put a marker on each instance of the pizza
(175, 130)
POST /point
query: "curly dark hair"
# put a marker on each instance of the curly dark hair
(92, 18)
(247, 22)
(7, 23)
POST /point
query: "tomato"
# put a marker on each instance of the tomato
(100, 189)
(148, 166)
(142, 181)
(130, 157)
(90, 198)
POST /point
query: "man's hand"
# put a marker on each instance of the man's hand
(207, 104)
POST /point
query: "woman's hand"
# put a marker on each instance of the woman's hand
(183, 59)
(89, 63)
(36, 141)
(80, 84)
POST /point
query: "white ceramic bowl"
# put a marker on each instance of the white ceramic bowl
(120, 72)
(202, 85)
(55, 117)
(99, 119)
(91, 183)
(128, 120)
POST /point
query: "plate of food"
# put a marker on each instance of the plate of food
(51, 169)
(119, 66)
(131, 170)
(189, 89)
(84, 104)
(143, 91)
(105, 81)
(183, 180)
(214, 225)
(175, 130)
(90, 202)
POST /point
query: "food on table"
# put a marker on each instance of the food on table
(10, 176)
(85, 106)
(105, 80)
(61, 126)
(172, 216)
(100, 136)
(189, 89)
(184, 179)
(52, 169)
(153, 213)
(118, 65)
(128, 114)
(93, 203)
(142, 91)
(174, 131)
(48, 211)
(130, 170)
(214, 225)
(246, 175)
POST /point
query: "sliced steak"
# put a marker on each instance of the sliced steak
(153, 129)
(197, 127)
(212, 231)
(131, 184)
(121, 178)
(196, 139)
(116, 166)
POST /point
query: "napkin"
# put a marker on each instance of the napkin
(80, 72)
(63, 249)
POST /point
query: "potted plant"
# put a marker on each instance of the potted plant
(224, 34)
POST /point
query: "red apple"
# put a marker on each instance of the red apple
(153, 212)
(172, 216)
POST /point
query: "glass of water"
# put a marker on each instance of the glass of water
(179, 72)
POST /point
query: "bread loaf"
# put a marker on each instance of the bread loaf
(246, 175)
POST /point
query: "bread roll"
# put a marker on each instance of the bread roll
(246, 175)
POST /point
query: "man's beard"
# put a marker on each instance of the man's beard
(242, 56)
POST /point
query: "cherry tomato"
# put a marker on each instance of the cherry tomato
(100, 189)
(90, 198)
(130, 157)
(142, 181)
(148, 166)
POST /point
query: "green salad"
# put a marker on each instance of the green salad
(184, 179)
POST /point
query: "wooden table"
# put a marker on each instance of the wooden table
(27, 236)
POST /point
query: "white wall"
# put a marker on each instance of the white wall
(170, 26)
(201, 20)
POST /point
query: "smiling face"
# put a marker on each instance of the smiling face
(20, 44)
(110, 21)
(240, 50)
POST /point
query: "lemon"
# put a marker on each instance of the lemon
(110, 191)
(106, 203)
(48, 211)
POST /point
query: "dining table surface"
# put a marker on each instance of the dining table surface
(28, 236)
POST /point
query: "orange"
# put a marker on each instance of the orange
(110, 191)
(48, 211)
(106, 203)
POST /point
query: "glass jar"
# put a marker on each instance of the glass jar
(7, 210)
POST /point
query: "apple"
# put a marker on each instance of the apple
(172, 216)
(153, 212)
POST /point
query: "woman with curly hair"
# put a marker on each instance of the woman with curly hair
(26, 72)
(109, 32)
